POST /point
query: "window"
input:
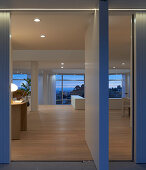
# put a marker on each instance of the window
(18, 79)
(67, 85)
(115, 86)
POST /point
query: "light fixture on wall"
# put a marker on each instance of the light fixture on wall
(123, 64)
(62, 67)
(114, 67)
(62, 63)
(43, 36)
(13, 89)
(37, 20)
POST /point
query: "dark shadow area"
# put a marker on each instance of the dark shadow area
(126, 166)
(49, 165)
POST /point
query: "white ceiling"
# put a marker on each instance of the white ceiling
(119, 41)
(73, 4)
(66, 31)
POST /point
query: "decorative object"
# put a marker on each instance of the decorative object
(26, 87)
(13, 89)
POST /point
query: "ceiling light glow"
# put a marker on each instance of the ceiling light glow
(123, 64)
(114, 67)
(43, 36)
(61, 67)
(37, 20)
(62, 63)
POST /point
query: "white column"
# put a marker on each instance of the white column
(140, 87)
(96, 90)
(34, 86)
(5, 77)
(51, 89)
(45, 88)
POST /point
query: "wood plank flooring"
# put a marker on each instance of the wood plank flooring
(56, 133)
(120, 136)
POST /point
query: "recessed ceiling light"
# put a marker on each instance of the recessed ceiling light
(62, 63)
(61, 67)
(43, 36)
(114, 67)
(123, 64)
(37, 20)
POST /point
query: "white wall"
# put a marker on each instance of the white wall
(42, 55)
(92, 88)
(34, 86)
(96, 90)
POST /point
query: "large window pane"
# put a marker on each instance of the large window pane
(72, 88)
(59, 77)
(19, 76)
(66, 101)
(71, 85)
(73, 77)
(19, 83)
(115, 89)
(18, 79)
(115, 77)
(115, 86)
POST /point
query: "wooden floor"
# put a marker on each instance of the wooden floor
(56, 133)
(120, 136)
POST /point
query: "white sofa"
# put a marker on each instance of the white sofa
(78, 102)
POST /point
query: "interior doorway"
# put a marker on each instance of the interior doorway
(50, 46)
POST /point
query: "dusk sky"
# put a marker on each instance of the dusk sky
(114, 80)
